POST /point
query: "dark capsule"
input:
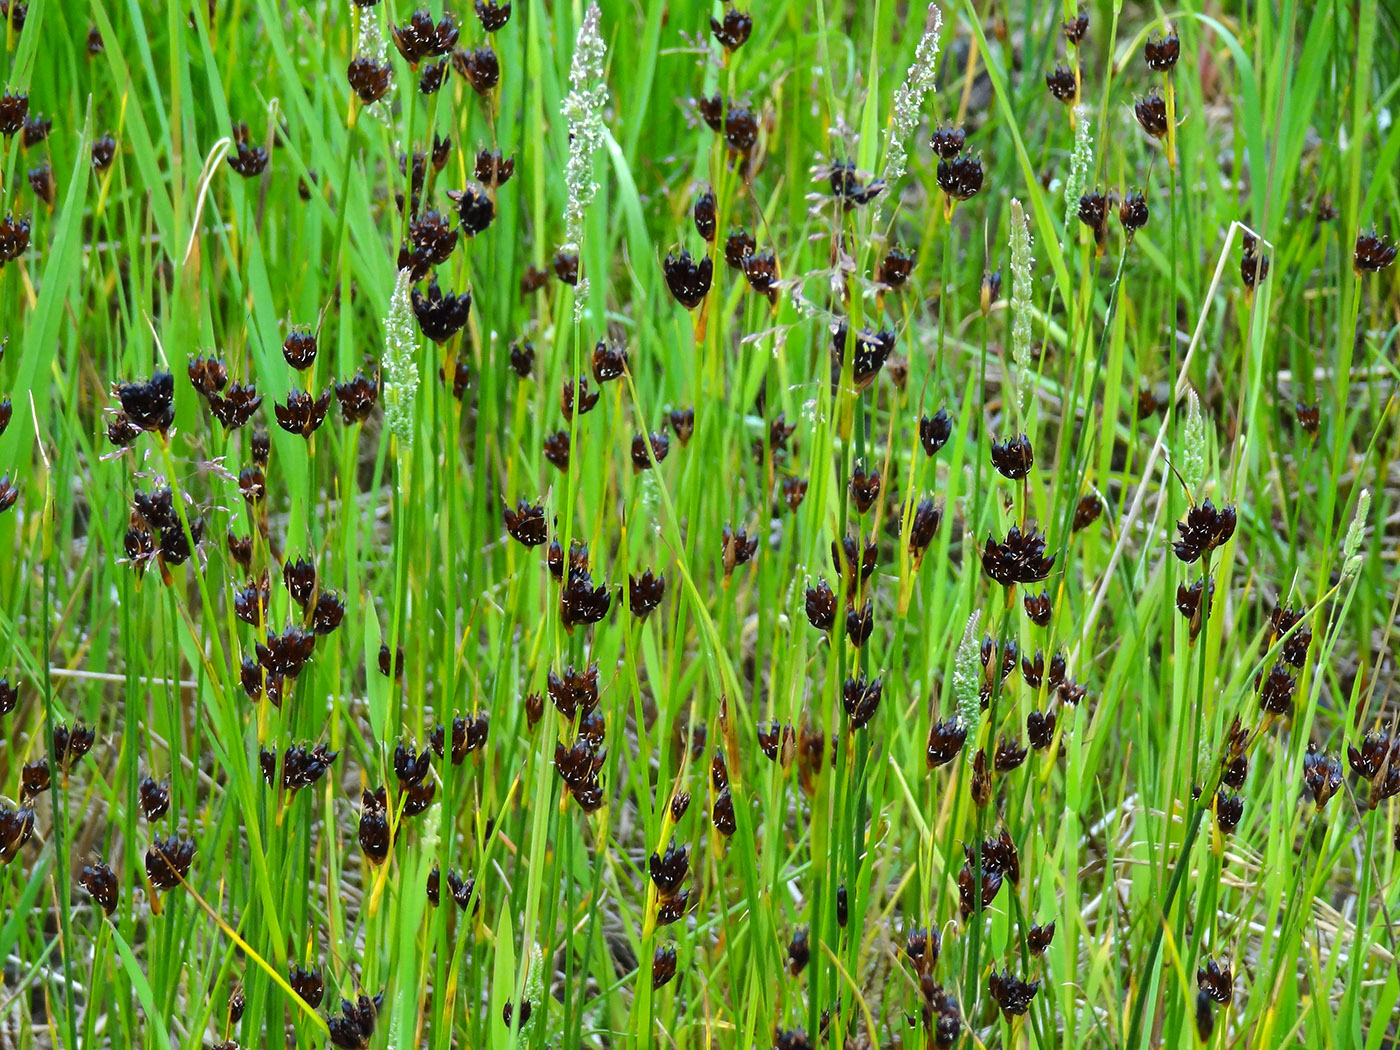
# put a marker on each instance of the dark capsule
(644, 593)
(734, 30)
(1229, 809)
(670, 870)
(1040, 729)
(738, 246)
(1014, 457)
(556, 449)
(1204, 529)
(945, 742)
(9, 695)
(475, 209)
(1020, 559)
(1276, 691)
(14, 111)
(1205, 1015)
(864, 487)
(1062, 84)
(1039, 938)
(375, 837)
(1151, 113)
(357, 397)
(1133, 213)
(300, 577)
(1011, 994)
(821, 606)
(245, 158)
(663, 965)
(370, 80)
(526, 523)
(861, 699)
(1216, 981)
(1075, 28)
(1087, 511)
(1009, 755)
(421, 38)
(859, 625)
(794, 492)
(104, 151)
(761, 270)
(896, 267)
(154, 798)
(303, 414)
(1372, 254)
(948, 142)
(307, 984)
(799, 951)
(354, 1028)
(41, 181)
(148, 404)
(100, 882)
(577, 395)
(960, 178)
(1161, 52)
(441, 316)
(688, 279)
(566, 266)
(703, 212)
(480, 67)
(934, 431)
(737, 548)
(1039, 608)
(682, 422)
(493, 16)
(723, 814)
(168, 861)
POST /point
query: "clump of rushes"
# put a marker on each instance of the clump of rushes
(354, 1028)
(687, 278)
(1204, 529)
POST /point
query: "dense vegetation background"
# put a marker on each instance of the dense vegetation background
(667, 524)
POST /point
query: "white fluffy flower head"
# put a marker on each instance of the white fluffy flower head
(583, 109)
(400, 369)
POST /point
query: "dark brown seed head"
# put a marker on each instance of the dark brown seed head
(441, 316)
(738, 246)
(854, 563)
(1076, 27)
(492, 169)
(101, 882)
(1276, 691)
(168, 861)
(1062, 84)
(1253, 269)
(924, 526)
(577, 395)
(1205, 1016)
(94, 41)
(1162, 52)
(934, 431)
(859, 625)
(354, 1028)
(556, 449)
(14, 111)
(669, 870)
(300, 577)
(1039, 608)
(1216, 980)
(308, 984)
(682, 421)
(385, 664)
(375, 838)
(1151, 114)
(303, 414)
(737, 548)
(864, 487)
(1372, 254)
(420, 38)
(41, 181)
(433, 238)
(945, 742)
(1087, 511)
(948, 141)
(1309, 417)
(1133, 213)
(1020, 559)
(493, 16)
(687, 278)
(481, 68)
(821, 606)
(799, 951)
(761, 269)
(961, 177)
(1014, 457)
(1012, 994)
(246, 158)
(104, 151)
(873, 349)
(896, 267)
(522, 358)
(433, 77)
(357, 397)
(1228, 811)
(861, 699)
(680, 802)
(1040, 729)
(663, 965)
(154, 798)
(1009, 754)
(722, 816)
(644, 593)
(794, 492)
(566, 266)
(1204, 529)
(1038, 938)
(734, 30)
(475, 209)
(703, 212)
(370, 80)
(9, 695)
(526, 523)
